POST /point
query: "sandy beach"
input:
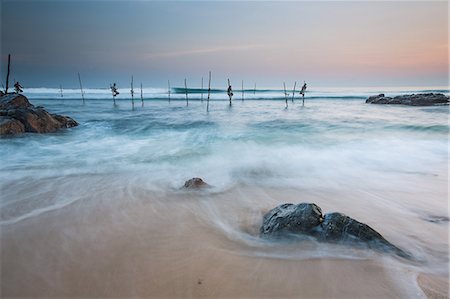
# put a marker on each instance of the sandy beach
(128, 241)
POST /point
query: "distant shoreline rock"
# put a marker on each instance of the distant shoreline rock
(18, 115)
(422, 99)
(306, 220)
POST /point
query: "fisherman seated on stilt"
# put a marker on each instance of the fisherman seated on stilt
(18, 87)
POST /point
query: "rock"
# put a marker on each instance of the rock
(13, 100)
(306, 220)
(290, 218)
(423, 99)
(17, 109)
(339, 228)
(195, 183)
(10, 126)
(437, 219)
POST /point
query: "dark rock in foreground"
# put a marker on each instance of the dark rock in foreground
(18, 115)
(423, 99)
(290, 218)
(195, 183)
(306, 220)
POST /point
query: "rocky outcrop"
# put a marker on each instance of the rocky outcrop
(423, 99)
(9, 126)
(18, 115)
(195, 183)
(306, 220)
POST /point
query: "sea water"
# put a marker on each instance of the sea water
(385, 165)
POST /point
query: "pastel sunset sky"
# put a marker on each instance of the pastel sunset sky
(324, 43)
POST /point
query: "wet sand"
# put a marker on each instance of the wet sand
(129, 241)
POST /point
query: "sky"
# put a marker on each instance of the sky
(325, 43)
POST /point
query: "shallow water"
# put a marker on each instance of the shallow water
(121, 169)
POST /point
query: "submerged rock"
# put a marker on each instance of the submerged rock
(423, 99)
(18, 115)
(195, 183)
(306, 220)
(436, 219)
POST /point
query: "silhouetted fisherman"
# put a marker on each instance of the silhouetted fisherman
(229, 91)
(18, 87)
(302, 92)
(114, 91)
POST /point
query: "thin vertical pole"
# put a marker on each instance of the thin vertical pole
(186, 91)
(293, 92)
(61, 90)
(285, 94)
(113, 93)
(132, 91)
(142, 96)
(254, 91)
(168, 89)
(209, 91)
(242, 90)
(230, 93)
(202, 90)
(81, 87)
(7, 73)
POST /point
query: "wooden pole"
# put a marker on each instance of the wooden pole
(142, 96)
(242, 90)
(132, 91)
(81, 87)
(7, 74)
(113, 93)
(285, 94)
(61, 91)
(168, 89)
(186, 91)
(209, 91)
(293, 92)
(229, 92)
(202, 90)
(254, 91)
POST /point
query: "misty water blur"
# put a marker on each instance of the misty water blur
(383, 165)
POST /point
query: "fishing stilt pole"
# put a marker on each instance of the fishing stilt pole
(61, 91)
(168, 89)
(303, 92)
(242, 90)
(229, 91)
(285, 94)
(81, 87)
(254, 91)
(293, 91)
(202, 91)
(114, 92)
(7, 73)
(132, 92)
(186, 92)
(209, 92)
(142, 97)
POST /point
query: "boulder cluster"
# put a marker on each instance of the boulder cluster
(423, 99)
(306, 220)
(18, 115)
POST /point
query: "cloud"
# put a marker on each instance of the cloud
(201, 51)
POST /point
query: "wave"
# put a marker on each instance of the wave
(178, 93)
(420, 128)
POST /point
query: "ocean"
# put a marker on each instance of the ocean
(121, 170)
